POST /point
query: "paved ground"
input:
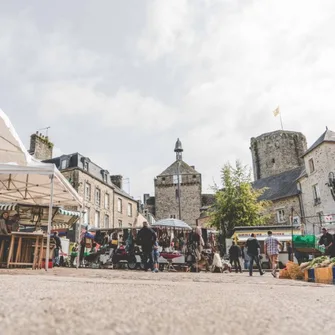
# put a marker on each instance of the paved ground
(69, 301)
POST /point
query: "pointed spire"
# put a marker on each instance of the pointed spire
(178, 149)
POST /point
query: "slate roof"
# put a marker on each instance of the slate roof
(173, 169)
(75, 160)
(327, 136)
(280, 186)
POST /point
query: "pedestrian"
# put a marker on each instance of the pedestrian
(4, 222)
(235, 254)
(147, 238)
(289, 251)
(155, 256)
(14, 223)
(74, 253)
(245, 257)
(253, 251)
(271, 246)
(327, 240)
(57, 248)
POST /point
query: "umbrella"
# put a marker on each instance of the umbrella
(171, 223)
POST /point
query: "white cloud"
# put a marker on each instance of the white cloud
(208, 71)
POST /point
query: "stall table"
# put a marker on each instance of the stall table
(27, 244)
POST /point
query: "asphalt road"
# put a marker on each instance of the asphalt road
(69, 301)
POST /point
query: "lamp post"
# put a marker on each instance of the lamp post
(178, 150)
(179, 200)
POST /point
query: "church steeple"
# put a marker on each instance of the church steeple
(178, 149)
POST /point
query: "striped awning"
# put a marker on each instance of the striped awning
(68, 213)
(7, 207)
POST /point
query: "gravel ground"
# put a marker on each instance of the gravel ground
(131, 302)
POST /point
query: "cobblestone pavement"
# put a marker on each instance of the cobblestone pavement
(70, 301)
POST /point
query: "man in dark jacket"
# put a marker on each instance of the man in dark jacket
(326, 240)
(146, 238)
(253, 250)
(234, 255)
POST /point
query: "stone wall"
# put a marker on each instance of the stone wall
(166, 200)
(285, 204)
(124, 218)
(79, 179)
(277, 152)
(324, 162)
(40, 147)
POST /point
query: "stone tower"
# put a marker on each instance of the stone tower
(167, 195)
(277, 152)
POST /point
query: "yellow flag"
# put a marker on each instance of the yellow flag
(276, 112)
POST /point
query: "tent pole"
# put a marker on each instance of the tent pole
(49, 223)
(79, 236)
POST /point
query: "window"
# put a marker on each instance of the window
(86, 165)
(311, 165)
(106, 221)
(97, 219)
(106, 201)
(316, 195)
(63, 164)
(120, 223)
(97, 197)
(281, 215)
(130, 210)
(175, 179)
(87, 191)
(87, 215)
(119, 205)
(172, 216)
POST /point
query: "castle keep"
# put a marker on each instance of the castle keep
(277, 152)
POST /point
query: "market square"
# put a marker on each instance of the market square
(126, 302)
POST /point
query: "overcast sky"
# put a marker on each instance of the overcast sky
(120, 80)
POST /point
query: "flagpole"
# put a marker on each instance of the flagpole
(281, 121)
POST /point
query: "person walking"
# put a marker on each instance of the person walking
(147, 238)
(234, 255)
(57, 248)
(271, 246)
(245, 257)
(253, 251)
(155, 256)
(3, 223)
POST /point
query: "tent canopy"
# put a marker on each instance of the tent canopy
(171, 223)
(26, 180)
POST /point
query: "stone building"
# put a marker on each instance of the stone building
(277, 164)
(314, 183)
(277, 152)
(168, 198)
(106, 204)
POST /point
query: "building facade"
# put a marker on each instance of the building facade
(177, 192)
(314, 183)
(169, 197)
(106, 204)
(277, 164)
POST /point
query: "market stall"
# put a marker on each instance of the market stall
(25, 180)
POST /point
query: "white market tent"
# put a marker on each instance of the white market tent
(26, 180)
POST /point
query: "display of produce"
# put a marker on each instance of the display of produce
(319, 262)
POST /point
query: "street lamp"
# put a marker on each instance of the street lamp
(178, 150)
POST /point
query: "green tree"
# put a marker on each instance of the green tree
(237, 202)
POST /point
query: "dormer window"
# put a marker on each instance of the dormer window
(64, 164)
(105, 174)
(85, 162)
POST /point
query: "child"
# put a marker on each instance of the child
(155, 256)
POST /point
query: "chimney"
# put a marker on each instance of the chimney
(146, 196)
(117, 180)
(193, 167)
(40, 147)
